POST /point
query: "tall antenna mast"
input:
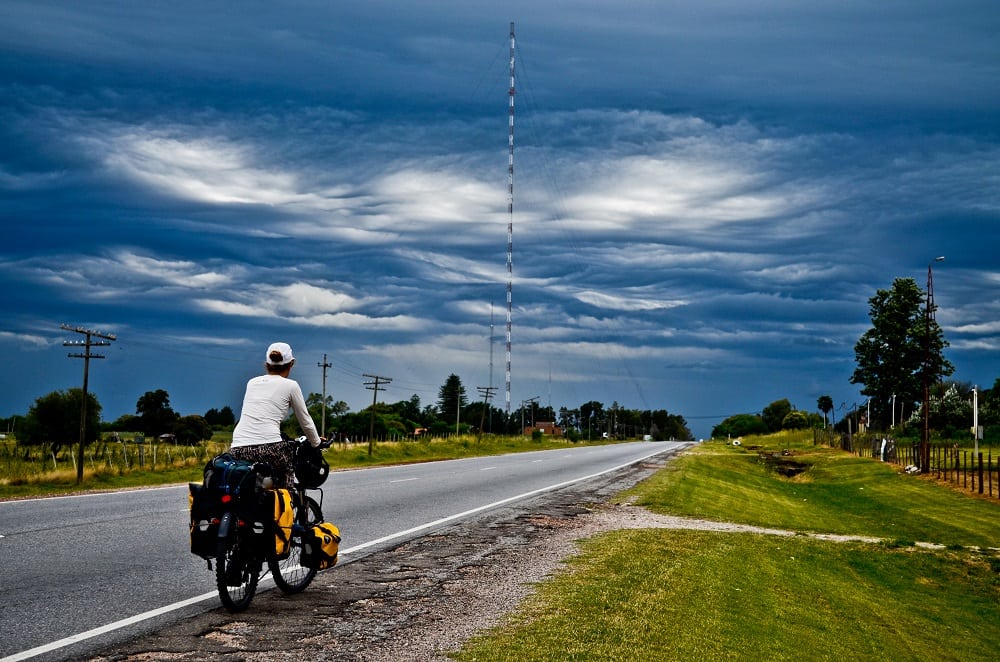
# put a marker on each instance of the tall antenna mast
(492, 338)
(510, 211)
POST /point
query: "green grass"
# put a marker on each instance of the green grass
(690, 595)
(693, 595)
(839, 493)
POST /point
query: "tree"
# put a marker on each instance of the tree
(740, 425)
(664, 426)
(795, 420)
(774, 414)
(825, 404)
(989, 412)
(125, 423)
(315, 405)
(192, 429)
(222, 418)
(409, 410)
(989, 405)
(155, 415)
(893, 356)
(55, 419)
(950, 410)
(451, 399)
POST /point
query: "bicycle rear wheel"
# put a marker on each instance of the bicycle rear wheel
(237, 571)
(289, 575)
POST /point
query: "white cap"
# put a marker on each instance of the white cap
(282, 348)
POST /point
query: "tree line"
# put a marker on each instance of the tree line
(454, 412)
(54, 419)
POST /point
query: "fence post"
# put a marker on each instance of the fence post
(980, 472)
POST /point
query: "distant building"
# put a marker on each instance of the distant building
(547, 427)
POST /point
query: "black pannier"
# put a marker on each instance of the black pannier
(240, 479)
(311, 468)
(205, 513)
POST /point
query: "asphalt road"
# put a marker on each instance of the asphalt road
(111, 562)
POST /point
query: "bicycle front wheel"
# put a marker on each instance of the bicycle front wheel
(237, 570)
(289, 574)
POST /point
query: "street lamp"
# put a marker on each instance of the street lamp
(925, 441)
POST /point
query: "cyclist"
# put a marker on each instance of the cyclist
(257, 436)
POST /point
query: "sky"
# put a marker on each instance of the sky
(706, 194)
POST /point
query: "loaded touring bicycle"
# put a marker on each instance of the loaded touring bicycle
(248, 527)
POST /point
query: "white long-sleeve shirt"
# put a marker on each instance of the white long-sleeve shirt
(267, 401)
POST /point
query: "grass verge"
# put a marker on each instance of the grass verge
(691, 595)
(685, 595)
(836, 493)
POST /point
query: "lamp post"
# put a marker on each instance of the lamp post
(975, 420)
(925, 440)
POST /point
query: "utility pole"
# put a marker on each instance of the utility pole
(86, 356)
(324, 365)
(487, 393)
(524, 402)
(375, 385)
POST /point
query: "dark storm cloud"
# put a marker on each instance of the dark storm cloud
(705, 194)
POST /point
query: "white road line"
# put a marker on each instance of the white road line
(145, 616)
(88, 495)
(104, 629)
(403, 480)
(487, 468)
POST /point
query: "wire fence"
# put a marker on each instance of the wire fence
(22, 462)
(961, 467)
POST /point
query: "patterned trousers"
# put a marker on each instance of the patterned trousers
(280, 455)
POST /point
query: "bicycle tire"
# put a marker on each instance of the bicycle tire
(237, 571)
(289, 575)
